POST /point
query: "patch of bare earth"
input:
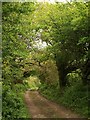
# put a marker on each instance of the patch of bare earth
(40, 107)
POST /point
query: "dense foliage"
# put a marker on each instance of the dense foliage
(14, 54)
(13, 102)
(65, 29)
(49, 41)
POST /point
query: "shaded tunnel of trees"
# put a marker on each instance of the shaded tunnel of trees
(44, 39)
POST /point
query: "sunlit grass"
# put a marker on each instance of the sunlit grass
(33, 82)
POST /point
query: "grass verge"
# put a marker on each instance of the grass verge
(74, 97)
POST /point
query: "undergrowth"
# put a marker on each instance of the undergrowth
(75, 97)
(13, 106)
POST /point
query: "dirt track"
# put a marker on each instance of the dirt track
(40, 107)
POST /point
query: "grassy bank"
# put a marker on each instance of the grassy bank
(74, 97)
(13, 106)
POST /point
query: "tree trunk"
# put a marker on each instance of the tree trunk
(86, 72)
(62, 78)
(62, 74)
